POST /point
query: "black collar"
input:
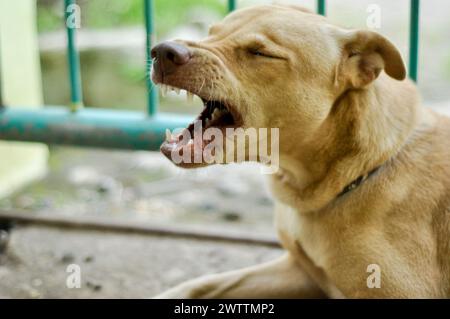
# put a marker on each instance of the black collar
(358, 182)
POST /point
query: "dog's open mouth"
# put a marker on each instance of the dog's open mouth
(190, 142)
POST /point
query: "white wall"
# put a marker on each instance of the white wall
(20, 163)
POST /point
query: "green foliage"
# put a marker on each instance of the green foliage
(117, 13)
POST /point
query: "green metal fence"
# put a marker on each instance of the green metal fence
(104, 128)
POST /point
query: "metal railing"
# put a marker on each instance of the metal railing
(105, 128)
(414, 39)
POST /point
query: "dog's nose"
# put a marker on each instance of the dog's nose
(170, 55)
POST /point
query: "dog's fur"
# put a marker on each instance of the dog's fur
(343, 107)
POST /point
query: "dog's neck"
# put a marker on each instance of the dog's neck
(364, 129)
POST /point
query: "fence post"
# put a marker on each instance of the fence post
(73, 59)
(321, 7)
(232, 5)
(414, 39)
(149, 14)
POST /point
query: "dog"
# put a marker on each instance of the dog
(363, 187)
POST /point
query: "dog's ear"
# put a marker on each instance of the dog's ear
(365, 54)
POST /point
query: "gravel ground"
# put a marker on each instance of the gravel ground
(112, 265)
(133, 187)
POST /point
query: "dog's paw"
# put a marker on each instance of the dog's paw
(179, 292)
(200, 288)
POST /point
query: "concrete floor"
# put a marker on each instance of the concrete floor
(141, 188)
(113, 265)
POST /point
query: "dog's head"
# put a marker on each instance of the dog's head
(272, 66)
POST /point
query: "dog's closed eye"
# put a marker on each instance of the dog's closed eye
(258, 52)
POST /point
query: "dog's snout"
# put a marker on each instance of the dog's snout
(171, 52)
(169, 55)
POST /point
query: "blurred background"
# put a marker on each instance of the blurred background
(143, 187)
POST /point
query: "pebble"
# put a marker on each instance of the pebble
(4, 239)
(94, 286)
(68, 258)
(231, 216)
(89, 259)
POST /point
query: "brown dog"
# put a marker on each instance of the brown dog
(363, 188)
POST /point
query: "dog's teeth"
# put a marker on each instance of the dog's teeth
(168, 135)
(177, 90)
(164, 89)
(190, 97)
(216, 113)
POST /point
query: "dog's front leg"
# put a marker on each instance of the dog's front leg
(281, 278)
